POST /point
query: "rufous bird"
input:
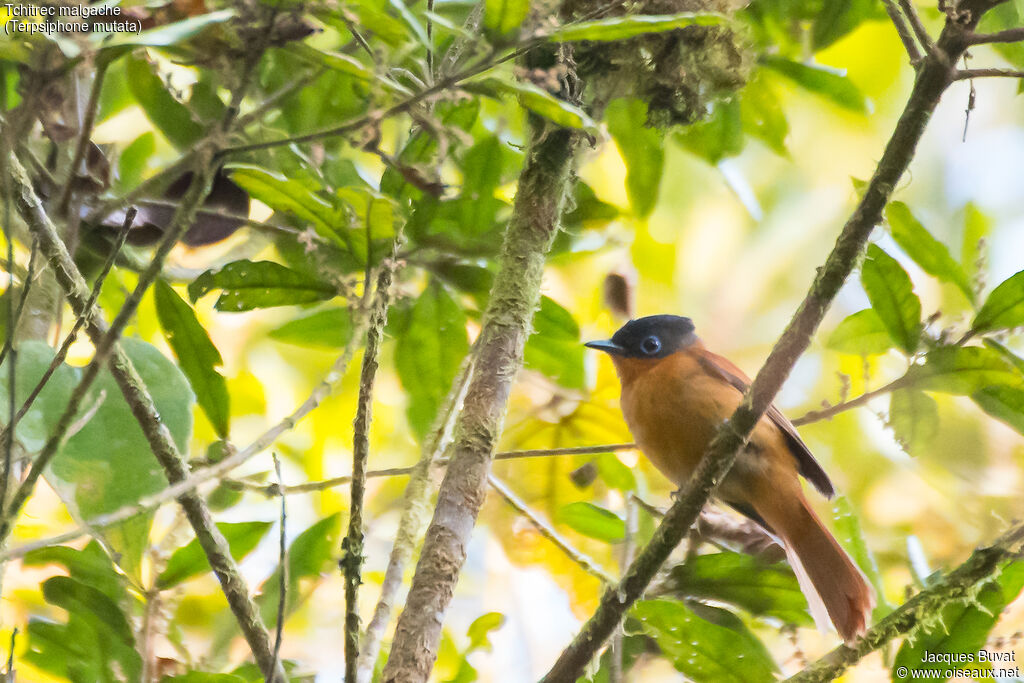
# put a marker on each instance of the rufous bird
(675, 393)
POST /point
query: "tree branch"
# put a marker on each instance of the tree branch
(1010, 35)
(547, 531)
(966, 74)
(933, 79)
(543, 185)
(915, 23)
(906, 37)
(958, 584)
(352, 546)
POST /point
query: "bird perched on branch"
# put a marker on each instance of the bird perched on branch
(675, 393)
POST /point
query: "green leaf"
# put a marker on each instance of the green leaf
(821, 81)
(762, 116)
(1014, 360)
(204, 677)
(642, 148)
(34, 358)
(479, 631)
(621, 28)
(862, 334)
(309, 555)
(91, 603)
(592, 521)
(836, 19)
(926, 251)
(614, 472)
(131, 165)
(429, 352)
(90, 565)
(190, 560)
(330, 329)
(1004, 307)
(963, 370)
(554, 348)
(163, 36)
(977, 226)
(717, 137)
(259, 284)
(846, 525)
(1003, 403)
(108, 463)
(914, 418)
(371, 217)
(892, 297)
(504, 17)
(338, 61)
(540, 102)
(197, 356)
(170, 116)
(961, 627)
(703, 650)
(290, 197)
(760, 588)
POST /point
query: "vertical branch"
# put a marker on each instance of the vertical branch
(282, 553)
(412, 520)
(352, 545)
(543, 185)
(935, 76)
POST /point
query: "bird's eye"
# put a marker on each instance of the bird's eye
(650, 346)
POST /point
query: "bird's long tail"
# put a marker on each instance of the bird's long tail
(834, 586)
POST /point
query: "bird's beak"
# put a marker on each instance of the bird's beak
(608, 346)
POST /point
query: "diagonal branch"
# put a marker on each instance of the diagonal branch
(933, 79)
(959, 584)
(904, 32)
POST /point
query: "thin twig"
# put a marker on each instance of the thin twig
(832, 411)
(549, 532)
(271, 490)
(916, 24)
(26, 287)
(1010, 35)
(959, 584)
(84, 135)
(904, 32)
(965, 74)
(282, 587)
(352, 546)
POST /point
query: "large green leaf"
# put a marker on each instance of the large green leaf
(862, 333)
(892, 297)
(762, 116)
(1004, 403)
(82, 599)
(330, 328)
(926, 251)
(91, 565)
(291, 197)
(34, 357)
(621, 28)
(642, 148)
(554, 348)
(763, 589)
(504, 17)
(429, 353)
(540, 102)
(960, 628)
(190, 560)
(108, 464)
(371, 217)
(167, 35)
(170, 116)
(821, 81)
(703, 650)
(964, 370)
(1004, 307)
(717, 137)
(836, 19)
(848, 532)
(197, 356)
(259, 284)
(592, 521)
(914, 418)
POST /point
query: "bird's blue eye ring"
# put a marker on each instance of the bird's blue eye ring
(651, 345)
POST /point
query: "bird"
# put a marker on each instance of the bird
(675, 393)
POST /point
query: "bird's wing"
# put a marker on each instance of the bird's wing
(807, 465)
